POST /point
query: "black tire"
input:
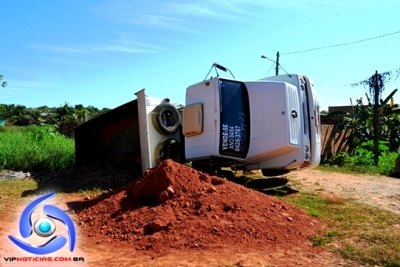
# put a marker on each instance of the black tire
(166, 118)
(169, 148)
(273, 172)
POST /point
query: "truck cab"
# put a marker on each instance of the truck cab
(271, 124)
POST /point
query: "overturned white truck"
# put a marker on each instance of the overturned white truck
(270, 124)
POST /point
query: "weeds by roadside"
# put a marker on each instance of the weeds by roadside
(362, 160)
(361, 233)
(35, 148)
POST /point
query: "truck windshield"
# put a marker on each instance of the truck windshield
(234, 119)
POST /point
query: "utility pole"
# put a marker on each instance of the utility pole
(277, 64)
(377, 90)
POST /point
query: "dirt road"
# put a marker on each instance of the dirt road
(381, 192)
(377, 191)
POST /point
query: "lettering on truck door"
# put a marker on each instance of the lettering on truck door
(234, 119)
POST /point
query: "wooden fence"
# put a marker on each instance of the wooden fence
(333, 140)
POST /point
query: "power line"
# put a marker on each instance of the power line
(273, 65)
(342, 44)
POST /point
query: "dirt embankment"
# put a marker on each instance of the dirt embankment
(174, 210)
(174, 206)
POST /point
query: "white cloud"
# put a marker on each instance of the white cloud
(198, 9)
(125, 49)
(58, 49)
(155, 20)
(184, 16)
(121, 46)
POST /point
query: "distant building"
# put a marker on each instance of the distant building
(347, 109)
(350, 109)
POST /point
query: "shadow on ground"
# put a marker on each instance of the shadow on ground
(275, 186)
(109, 179)
(82, 179)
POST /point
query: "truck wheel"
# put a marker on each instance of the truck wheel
(168, 148)
(166, 118)
(274, 172)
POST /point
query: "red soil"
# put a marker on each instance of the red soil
(176, 207)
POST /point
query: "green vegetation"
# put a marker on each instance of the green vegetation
(374, 139)
(376, 86)
(367, 235)
(362, 159)
(35, 148)
(65, 117)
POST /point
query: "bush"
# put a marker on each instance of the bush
(35, 148)
(340, 159)
(362, 160)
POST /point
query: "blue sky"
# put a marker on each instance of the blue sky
(99, 52)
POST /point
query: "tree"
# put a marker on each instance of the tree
(3, 83)
(391, 121)
(65, 117)
(376, 86)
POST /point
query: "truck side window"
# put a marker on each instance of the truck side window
(234, 119)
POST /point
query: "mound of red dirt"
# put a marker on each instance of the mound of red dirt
(174, 206)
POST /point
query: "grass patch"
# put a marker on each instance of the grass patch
(35, 148)
(322, 240)
(11, 190)
(361, 233)
(362, 160)
(93, 191)
(371, 170)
